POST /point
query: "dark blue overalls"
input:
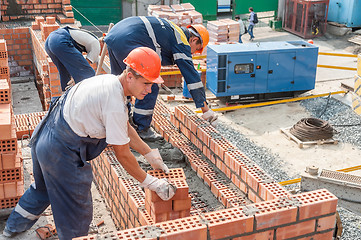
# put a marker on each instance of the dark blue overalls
(63, 177)
(67, 57)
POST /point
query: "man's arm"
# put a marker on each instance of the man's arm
(129, 162)
(136, 142)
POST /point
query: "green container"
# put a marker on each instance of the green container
(241, 6)
(277, 25)
(208, 8)
(98, 12)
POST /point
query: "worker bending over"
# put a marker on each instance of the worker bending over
(65, 47)
(174, 45)
(78, 126)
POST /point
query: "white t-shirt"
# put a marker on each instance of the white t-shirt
(96, 107)
(241, 26)
(87, 40)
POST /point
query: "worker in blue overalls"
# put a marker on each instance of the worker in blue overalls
(78, 126)
(65, 47)
(174, 45)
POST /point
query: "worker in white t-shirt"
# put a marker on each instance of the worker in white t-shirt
(78, 126)
(65, 46)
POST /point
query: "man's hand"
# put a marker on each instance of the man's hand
(162, 187)
(156, 161)
(210, 117)
(70, 84)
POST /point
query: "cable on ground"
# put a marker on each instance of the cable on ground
(312, 129)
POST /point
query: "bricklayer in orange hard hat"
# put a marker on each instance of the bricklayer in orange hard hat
(146, 62)
(203, 34)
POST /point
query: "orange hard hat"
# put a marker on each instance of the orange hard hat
(146, 62)
(310, 41)
(202, 33)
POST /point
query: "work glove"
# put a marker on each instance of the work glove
(210, 117)
(156, 161)
(162, 187)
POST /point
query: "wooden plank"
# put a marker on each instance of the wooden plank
(355, 39)
(289, 135)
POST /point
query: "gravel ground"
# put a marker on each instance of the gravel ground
(348, 130)
(347, 124)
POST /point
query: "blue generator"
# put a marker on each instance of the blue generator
(263, 70)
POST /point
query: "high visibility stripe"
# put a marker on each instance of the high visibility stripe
(143, 111)
(151, 34)
(179, 34)
(194, 86)
(25, 213)
(177, 56)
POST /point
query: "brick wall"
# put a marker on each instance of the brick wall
(19, 50)
(27, 10)
(234, 179)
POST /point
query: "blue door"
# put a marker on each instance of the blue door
(281, 71)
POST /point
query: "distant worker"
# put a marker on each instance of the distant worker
(174, 45)
(65, 47)
(78, 127)
(242, 28)
(252, 21)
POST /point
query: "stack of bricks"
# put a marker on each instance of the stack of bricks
(4, 62)
(26, 123)
(178, 206)
(180, 14)
(68, 14)
(224, 30)
(47, 27)
(11, 168)
(61, 9)
(173, 78)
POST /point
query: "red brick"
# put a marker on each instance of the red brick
(184, 228)
(10, 190)
(321, 236)
(295, 230)
(268, 235)
(8, 160)
(182, 204)
(274, 213)
(228, 222)
(5, 121)
(316, 203)
(326, 223)
(155, 208)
